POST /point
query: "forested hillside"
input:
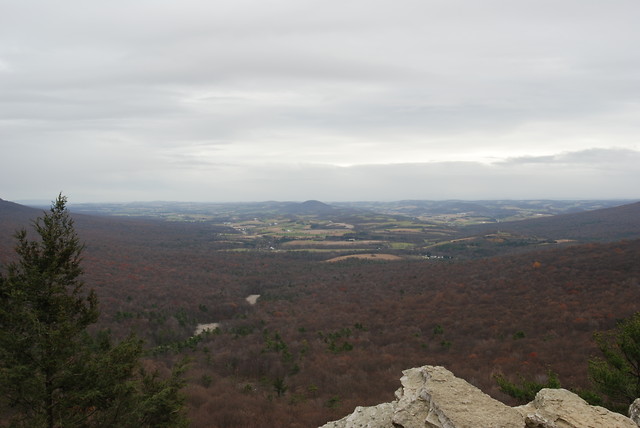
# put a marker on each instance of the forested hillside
(323, 338)
(607, 224)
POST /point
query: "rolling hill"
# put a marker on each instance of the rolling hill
(607, 224)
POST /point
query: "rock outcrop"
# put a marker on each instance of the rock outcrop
(367, 417)
(432, 397)
(559, 408)
(634, 411)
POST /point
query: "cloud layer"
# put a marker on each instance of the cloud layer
(251, 100)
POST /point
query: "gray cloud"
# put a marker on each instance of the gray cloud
(140, 98)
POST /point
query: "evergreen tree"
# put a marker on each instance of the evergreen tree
(526, 390)
(617, 375)
(53, 373)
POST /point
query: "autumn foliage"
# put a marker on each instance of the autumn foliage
(326, 337)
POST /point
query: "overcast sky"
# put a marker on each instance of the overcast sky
(250, 100)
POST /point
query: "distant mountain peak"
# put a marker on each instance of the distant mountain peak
(310, 207)
(315, 203)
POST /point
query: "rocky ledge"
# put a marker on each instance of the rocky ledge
(432, 397)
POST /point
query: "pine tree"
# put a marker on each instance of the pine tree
(617, 375)
(53, 373)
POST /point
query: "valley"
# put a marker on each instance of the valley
(323, 338)
(442, 229)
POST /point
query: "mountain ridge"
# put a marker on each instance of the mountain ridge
(605, 224)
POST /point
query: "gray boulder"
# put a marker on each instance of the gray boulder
(559, 408)
(634, 411)
(366, 417)
(432, 397)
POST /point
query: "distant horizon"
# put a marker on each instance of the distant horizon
(71, 203)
